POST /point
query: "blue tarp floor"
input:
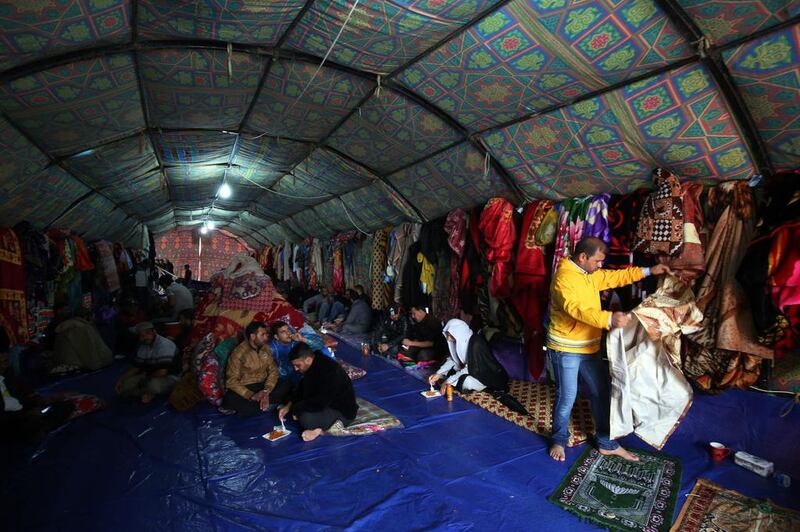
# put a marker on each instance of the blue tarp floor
(453, 466)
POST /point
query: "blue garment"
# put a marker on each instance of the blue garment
(330, 311)
(594, 372)
(280, 352)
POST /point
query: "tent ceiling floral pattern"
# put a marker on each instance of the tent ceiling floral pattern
(296, 104)
(530, 55)
(381, 35)
(114, 112)
(195, 88)
(251, 21)
(78, 105)
(390, 131)
(766, 72)
(612, 142)
(454, 178)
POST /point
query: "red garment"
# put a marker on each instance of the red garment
(83, 262)
(531, 286)
(13, 306)
(338, 270)
(499, 233)
(456, 228)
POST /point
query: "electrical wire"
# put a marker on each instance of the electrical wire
(325, 58)
(259, 185)
(344, 206)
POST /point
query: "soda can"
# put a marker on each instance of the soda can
(449, 392)
(783, 480)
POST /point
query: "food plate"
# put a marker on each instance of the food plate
(427, 394)
(277, 433)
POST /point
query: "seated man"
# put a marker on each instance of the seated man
(251, 377)
(324, 396)
(359, 319)
(282, 341)
(155, 366)
(179, 298)
(313, 303)
(391, 332)
(425, 342)
(332, 310)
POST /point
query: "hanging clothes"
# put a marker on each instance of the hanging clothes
(427, 273)
(530, 285)
(317, 267)
(338, 269)
(406, 234)
(725, 353)
(380, 290)
(286, 266)
(649, 393)
(83, 262)
(412, 294)
(660, 229)
(623, 212)
(13, 304)
(456, 228)
(107, 266)
(596, 223)
(499, 233)
(690, 262)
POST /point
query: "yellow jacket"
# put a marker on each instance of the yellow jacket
(576, 317)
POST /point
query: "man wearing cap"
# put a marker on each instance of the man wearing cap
(389, 335)
(155, 366)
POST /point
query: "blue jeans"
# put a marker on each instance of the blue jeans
(594, 372)
(329, 312)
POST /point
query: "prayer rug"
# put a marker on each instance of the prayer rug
(712, 507)
(370, 419)
(352, 371)
(538, 399)
(621, 495)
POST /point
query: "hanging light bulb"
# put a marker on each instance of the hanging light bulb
(203, 230)
(225, 191)
(211, 225)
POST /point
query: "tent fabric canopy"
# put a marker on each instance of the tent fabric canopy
(125, 113)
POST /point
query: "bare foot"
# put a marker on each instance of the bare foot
(622, 453)
(557, 453)
(310, 435)
(146, 398)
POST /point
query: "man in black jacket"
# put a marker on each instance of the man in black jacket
(323, 396)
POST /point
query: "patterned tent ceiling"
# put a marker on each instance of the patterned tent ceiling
(118, 113)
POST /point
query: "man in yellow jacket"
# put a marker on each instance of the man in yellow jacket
(574, 334)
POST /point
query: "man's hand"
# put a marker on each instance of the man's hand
(283, 411)
(407, 342)
(258, 396)
(620, 319)
(297, 337)
(433, 379)
(264, 402)
(660, 269)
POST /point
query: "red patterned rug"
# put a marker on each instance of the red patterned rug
(538, 398)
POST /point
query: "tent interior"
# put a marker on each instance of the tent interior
(326, 139)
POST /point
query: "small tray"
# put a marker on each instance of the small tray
(284, 433)
(428, 395)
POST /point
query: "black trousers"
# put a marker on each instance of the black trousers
(322, 419)
(246, 407)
